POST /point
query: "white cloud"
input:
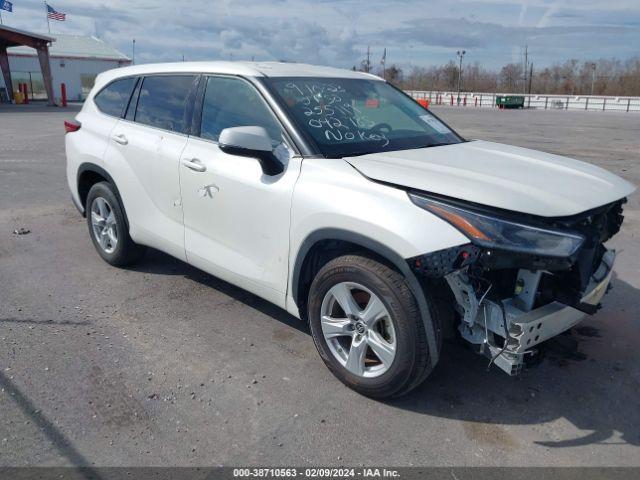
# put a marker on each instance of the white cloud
(338, 31)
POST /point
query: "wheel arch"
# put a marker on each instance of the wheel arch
(344, 241)
(88, 175)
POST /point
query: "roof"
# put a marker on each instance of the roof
(76, 46)
(247, 69)
(281, 69)
(29, 34)
(15, 36)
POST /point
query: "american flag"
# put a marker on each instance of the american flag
(55, 15)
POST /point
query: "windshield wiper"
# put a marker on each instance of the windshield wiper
(354, 154)
(368, 152)
(436, 144)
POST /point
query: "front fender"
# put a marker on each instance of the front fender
(332, 201)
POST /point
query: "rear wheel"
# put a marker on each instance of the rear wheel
(367, 327)
(108, 228)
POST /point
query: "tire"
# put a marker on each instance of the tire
(105, 214)
(400, 326)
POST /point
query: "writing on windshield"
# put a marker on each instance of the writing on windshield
(354, 116)
(329, 108)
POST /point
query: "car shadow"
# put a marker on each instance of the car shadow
(159, 263)
(578, 378)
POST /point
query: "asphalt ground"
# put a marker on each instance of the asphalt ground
(162, 364)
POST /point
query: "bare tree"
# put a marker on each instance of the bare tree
(572, 77)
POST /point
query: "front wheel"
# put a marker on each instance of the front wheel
(367, 327)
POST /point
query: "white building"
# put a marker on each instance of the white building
(75, 61)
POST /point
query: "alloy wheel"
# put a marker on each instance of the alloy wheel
(103, 222)
(358, 329)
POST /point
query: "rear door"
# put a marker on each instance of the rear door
(144, 153)
(236, 218)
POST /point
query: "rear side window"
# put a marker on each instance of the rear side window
(113, 99)
(163, 102)
(231, 102)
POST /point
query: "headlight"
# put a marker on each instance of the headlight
(491, 232)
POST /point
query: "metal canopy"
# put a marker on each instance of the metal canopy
(11, 37)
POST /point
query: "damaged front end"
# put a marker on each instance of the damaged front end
(522, 279)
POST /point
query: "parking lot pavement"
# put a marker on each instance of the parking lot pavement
(162, 364)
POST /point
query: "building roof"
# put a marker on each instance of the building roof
(76, 46)
(248, 69)
(19, 32)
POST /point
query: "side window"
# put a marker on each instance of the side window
(231, 102)
(162, 102)
(113, 99)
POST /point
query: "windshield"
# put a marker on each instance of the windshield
(347, 117)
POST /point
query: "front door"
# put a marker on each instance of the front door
(236, 218)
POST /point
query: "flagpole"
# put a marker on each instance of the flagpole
(46, 12)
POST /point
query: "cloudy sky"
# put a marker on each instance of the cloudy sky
(337, 32)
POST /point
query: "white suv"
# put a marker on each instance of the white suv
(338, 198)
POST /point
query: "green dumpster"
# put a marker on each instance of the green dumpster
(510, 101)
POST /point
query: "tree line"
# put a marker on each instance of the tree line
(573, 77)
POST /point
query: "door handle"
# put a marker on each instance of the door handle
(194, 164)
(121, 139)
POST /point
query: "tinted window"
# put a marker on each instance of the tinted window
(113, 99)
(162, 102)
(230, 102)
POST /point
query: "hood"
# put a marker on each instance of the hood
(501, 176)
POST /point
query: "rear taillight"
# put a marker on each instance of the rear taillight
(71, 126)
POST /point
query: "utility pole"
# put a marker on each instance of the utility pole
(526, 65)
(460, 54)
(367, 66)
(593, 76)
(133, 52)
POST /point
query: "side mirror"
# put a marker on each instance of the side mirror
(253, 142)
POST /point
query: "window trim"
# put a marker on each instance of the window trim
(135, 94)
(294, 139)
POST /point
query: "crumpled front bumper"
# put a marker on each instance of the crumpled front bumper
(554, 318)
(527, 329)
